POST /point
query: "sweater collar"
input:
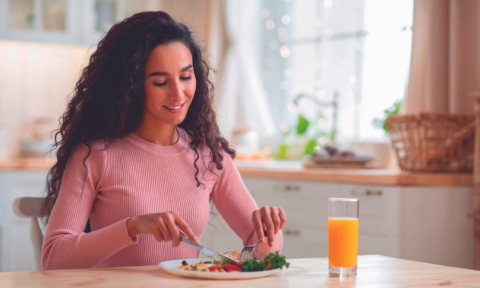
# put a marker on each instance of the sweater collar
(160, 149)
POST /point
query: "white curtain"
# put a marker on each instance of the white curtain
(445, 65)
(240, 94)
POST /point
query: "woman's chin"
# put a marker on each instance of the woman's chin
(176, 121)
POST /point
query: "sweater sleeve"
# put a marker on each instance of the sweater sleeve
(65, 245)
(236, 205)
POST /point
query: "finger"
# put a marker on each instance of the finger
(275, 219)
(185, 228)
(267, 219)
(163, 229)
(283, 217)
(152, 229)
(156, 233)
(258, 225)
(172, 228)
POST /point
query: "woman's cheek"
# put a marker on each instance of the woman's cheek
(192, 87)
(149, 90)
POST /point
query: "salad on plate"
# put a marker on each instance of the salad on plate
(225, 269)
(273, 261)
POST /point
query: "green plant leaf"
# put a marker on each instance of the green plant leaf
(392, 110)
(310, 146)
(282, 153)
(303, 124)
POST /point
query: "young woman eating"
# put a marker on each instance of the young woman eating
(140, 157)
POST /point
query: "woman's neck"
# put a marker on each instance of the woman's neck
(165, 135)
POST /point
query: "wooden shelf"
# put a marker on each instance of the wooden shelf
(363, 176)
(296, 172)
(26, 164)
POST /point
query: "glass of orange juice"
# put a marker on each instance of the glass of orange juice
(342, 236)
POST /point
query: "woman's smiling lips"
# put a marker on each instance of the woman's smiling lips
(175, 109)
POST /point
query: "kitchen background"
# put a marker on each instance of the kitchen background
(357, 51)
(292, 77)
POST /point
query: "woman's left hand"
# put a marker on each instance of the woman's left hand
(269, 219)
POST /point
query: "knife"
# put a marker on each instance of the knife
(209, 252)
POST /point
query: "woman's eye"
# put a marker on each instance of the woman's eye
(159, 84)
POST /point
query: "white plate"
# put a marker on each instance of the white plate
(172, 268)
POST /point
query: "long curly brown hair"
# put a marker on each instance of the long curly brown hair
(109, 98)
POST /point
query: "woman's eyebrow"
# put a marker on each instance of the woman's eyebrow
(160, 73)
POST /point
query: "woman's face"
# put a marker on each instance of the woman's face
(169, 84)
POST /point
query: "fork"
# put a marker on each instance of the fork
(247, 251)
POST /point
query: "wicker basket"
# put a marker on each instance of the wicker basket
(433, 142)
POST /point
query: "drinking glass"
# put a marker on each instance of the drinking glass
(342, 236)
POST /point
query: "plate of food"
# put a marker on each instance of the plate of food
(208, 269)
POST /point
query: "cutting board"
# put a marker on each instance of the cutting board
(342, 164)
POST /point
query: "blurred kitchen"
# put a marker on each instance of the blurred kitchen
(303, 89)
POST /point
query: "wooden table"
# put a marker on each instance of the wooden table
(373, 271)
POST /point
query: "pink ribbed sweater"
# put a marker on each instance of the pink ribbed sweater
(132, 176)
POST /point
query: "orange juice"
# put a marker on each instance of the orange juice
(342, 242)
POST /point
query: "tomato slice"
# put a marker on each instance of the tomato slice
(218, 267)
(231, 267)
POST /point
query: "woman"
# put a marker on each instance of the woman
(140, 156)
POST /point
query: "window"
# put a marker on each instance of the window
(358, 50)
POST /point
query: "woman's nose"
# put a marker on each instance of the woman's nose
(176, 91)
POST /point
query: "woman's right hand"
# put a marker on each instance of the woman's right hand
(163, 226)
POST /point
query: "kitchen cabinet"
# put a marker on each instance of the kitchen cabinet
(100, 15)
(65, 21)
(421, 223)
(428, 224)
(16, 250)
(52, 21)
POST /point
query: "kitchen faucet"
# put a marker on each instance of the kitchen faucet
(320, 102)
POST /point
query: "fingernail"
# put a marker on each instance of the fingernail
(195, 239)
(262, 239)
(270, 244)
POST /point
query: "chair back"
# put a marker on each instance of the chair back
(30, 207)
